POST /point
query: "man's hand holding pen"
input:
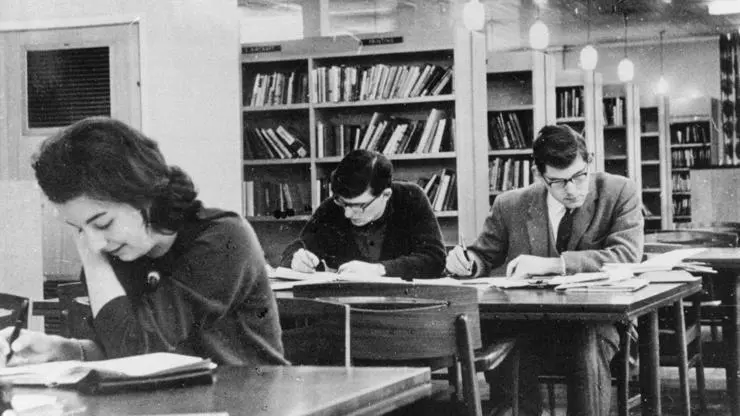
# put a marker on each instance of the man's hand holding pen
(304, 261)
(461, 262)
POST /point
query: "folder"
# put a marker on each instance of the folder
(138, 372)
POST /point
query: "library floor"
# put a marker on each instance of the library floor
(715, 388)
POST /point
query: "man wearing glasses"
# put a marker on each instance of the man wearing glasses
(370, 226)
(569, 221)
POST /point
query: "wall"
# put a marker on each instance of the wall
(189, 78)
(691, 67)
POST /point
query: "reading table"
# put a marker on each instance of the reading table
(727, 287)
(596, 307)
(290, 390)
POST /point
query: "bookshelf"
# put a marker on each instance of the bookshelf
(654, 165)
(621, 130)
(578, 101)
(694, 142)
(520, 101)
(307, 106)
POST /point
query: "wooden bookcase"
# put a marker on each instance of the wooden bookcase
(520, 101)
(621, 130)
(578, 101)
(693, 142)
(332, 99)
(655, 165)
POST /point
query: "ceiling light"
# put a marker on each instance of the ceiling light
(625, 69)
(724, 7)
(662, 86)
(539, 35)
(589, 55)
(474, 15)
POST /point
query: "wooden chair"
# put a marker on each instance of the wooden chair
(417, 325)
(75, 315)
(622, 375)
(10, 307)
(315, 332)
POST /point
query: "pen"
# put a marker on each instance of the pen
(19, 323)
(461, 243)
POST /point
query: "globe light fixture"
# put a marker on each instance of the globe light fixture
(589, 56)
(474, 15)
(662, 86)
(539, 35)
(625, 69)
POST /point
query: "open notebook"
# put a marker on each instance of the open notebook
(138, 372)
(282, 278)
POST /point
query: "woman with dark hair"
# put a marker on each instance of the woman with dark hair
(162, 272)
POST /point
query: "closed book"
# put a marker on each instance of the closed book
(137, 372)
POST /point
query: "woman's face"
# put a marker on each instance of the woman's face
(114, 228)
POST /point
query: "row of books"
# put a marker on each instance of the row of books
(569, 102)
(689, 133)
(646, 212)
(278, 88)
(506, 132)
(680, 182)
(681, 206)
(686, 158)
(388, 135)
(508, 173)
(269, 143)
(614, 111)
(441, 189)
(275, 199)
(354, 83)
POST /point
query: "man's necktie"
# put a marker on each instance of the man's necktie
(564, 231)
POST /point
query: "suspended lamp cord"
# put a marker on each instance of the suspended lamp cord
(625, 35)
(661, 51)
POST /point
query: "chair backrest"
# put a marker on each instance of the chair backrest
(315, 332)
(75, 315)
(402, 321)
(693, 238)
(10, 307)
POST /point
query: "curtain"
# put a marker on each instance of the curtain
(729, 49)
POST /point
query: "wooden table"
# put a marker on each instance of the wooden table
(279, 391)
(590, 308)
(727, 284)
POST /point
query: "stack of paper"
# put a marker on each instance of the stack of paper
(665, 261)
(282, 278)
(538, 281)
(625, 285)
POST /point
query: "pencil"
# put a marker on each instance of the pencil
(20, 322)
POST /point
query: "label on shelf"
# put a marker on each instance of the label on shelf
(389, 40)
(261, 49)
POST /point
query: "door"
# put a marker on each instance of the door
(50, 79)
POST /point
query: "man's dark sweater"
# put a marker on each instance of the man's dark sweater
(411, 248)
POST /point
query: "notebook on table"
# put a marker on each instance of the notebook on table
(137, 372)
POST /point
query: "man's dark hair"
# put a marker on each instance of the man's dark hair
(558, 146)
(105, 159)
(360, 170)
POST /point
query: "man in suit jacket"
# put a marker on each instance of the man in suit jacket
(371, 225)
(569, 221)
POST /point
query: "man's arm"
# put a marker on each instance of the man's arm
(492, 245)
(310, 237)
(624, 240)
(426, 258)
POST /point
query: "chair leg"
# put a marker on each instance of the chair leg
(471, 394)
(453, 377)
(683, 363)
(515, 382)
(623, 391)
(551, 397)
(699, 364)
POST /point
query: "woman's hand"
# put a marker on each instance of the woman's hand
(33, 347)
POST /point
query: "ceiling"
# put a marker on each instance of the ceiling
(569, 21)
